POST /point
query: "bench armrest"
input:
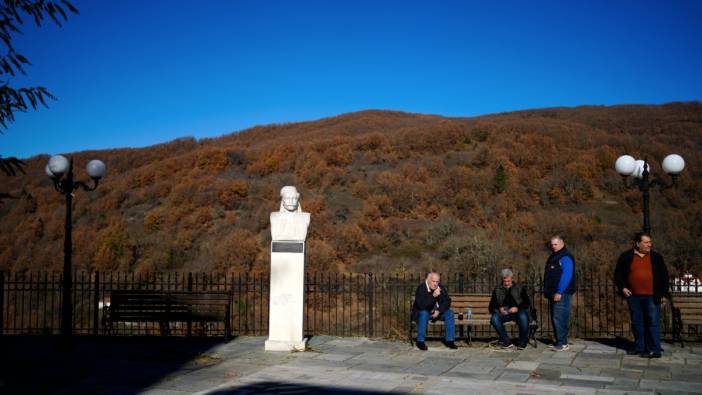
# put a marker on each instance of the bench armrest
(533, 316)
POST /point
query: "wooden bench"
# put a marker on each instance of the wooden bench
(165, 307)
(687, 312)
(478, 304)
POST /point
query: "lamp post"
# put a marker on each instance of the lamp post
(627, 166)
(60, 170)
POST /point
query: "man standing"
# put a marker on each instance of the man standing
(642, 278)
(432, 301)
(559, 287)
(510, 302)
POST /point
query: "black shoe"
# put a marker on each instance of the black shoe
(506, 345)
(451, 345)
(521, 346)
(634, 352)
(652, 355)
(422, 346)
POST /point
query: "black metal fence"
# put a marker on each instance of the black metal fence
(373, 305)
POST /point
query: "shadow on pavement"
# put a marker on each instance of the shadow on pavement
(617, 342)
(273, 387)
(626, 344)
(46, 364)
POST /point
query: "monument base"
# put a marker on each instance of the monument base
(280, 345)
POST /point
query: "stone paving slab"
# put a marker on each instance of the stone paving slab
(585, 377)
(609, 391)
(517, 376)
(522, 365)
(673, 385)
(472, 368)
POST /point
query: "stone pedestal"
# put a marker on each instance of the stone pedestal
(285, 325)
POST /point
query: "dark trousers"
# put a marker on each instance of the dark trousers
(423, 318)
(521, 317)
(645, 323)
(560, 318)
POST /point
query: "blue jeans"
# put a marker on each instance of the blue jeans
(423, 319)
(645, 323)
(560, 318)
(521, 317)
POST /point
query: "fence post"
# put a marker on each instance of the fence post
(96, 304)
(370, 305)
(2, 301)
(461, 282)
(190, 289)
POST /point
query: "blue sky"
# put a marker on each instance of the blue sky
(133, 73)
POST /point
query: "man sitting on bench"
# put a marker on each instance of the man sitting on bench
(510, 302)
(432, 301)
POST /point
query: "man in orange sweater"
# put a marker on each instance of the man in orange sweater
(642, 278)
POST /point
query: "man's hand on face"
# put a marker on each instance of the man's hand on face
(435, 314)
(437, 292)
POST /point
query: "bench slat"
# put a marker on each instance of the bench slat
(691, 298)
(471, 296)
(169, 306)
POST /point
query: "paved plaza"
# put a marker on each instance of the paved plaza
(338, 366)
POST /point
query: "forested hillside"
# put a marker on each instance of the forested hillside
(388, 191)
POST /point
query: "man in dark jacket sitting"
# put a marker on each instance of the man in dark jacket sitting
(510, 302)
(432, 302)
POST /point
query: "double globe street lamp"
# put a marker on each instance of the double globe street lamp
(60, 170)
(627, 166)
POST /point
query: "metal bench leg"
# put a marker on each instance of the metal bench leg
(109, 328)
(677, 327)
(411, 339)
(165, 328)
(469, 328)
(227, 324)
(532, 336)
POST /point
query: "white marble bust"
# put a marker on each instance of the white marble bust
(290, 223)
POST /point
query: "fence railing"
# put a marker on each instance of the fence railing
(339, 304)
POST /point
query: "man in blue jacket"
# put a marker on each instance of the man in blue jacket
(559, 287)
(432, 302)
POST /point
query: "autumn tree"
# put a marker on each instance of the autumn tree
(387, 191)
(13, 99)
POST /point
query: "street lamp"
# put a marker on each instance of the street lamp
(60, 170)
(627, 166)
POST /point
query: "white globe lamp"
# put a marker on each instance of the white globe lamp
(625, 165)
(673, 164)
(58, 165)
(96, 169)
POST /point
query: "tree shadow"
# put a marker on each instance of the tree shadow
(48, 364)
